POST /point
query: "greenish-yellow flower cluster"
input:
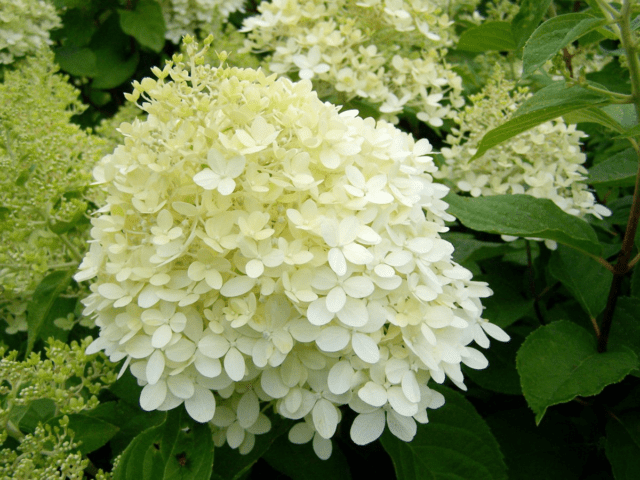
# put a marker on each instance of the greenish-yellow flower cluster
(67, 378)
(45, 165)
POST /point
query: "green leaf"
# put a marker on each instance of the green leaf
(586, 279)
(229, 464)
(487, 37)
(527, 19)
(559, 362)
(468, 249)
(299, 462)
(178, 449)
(553, 450)
(114, 68)
(555, 34)
(632, 132)
(523, 216)
(501, 376)
(593, 115)
(625, 328)
(623, 445)
(78, 61)
(43, 298)
(624, 114)
(145, 24)
(619, 170)
(455, 444)
(549, 103)
(90, 432)
(27, 417)
(507, 305)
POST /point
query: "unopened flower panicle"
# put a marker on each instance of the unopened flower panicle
(259, 246)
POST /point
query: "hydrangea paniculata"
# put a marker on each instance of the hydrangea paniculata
(545, 161)
(24, 27)
(258, 245)
(187, 17)
(389, 53)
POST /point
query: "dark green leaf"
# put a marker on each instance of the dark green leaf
(623, 445)
(487, 37)
(586, 279)
(179, 449)
(527, 19)
(625, 328)
(299, 462)
(27, 417)
(593, 115)
(78, 27)
(145, 24)
(455, 444)
(619, 170)
(44, 296)
(555, 34)
(553, 450)
(114, 68)
(78, 61)
(501, 376)
(469, 249)
(132, 421)
(549, 103)
(523, 216)
(90, 432)
(231, 465)
(507, 304)
(559, 362)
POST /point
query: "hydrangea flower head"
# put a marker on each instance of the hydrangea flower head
(389, 53)
(258, 245)
(545, 161)
(24, 27)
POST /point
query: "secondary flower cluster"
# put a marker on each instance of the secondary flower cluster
(388, 52)
(259, 246)
(45, 168)
(545, 161)
(187, 17)
(24, 27)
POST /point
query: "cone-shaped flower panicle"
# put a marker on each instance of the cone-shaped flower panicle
(277, 250)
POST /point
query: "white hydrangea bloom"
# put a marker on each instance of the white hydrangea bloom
(24, 27)
(389, 53)
(186, 17)
(545, 161)
(259, 246)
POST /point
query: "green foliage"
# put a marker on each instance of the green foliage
(536, 218)
(486, 37)
(62, 411)
(559, 362)
(555, 34)
(456, 443)
(553, 101)
(179, 448)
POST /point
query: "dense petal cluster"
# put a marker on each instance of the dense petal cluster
(187, 17)
(24, 27)
(389, 53)
(545, 161)
(260, 246)
(45, 170)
